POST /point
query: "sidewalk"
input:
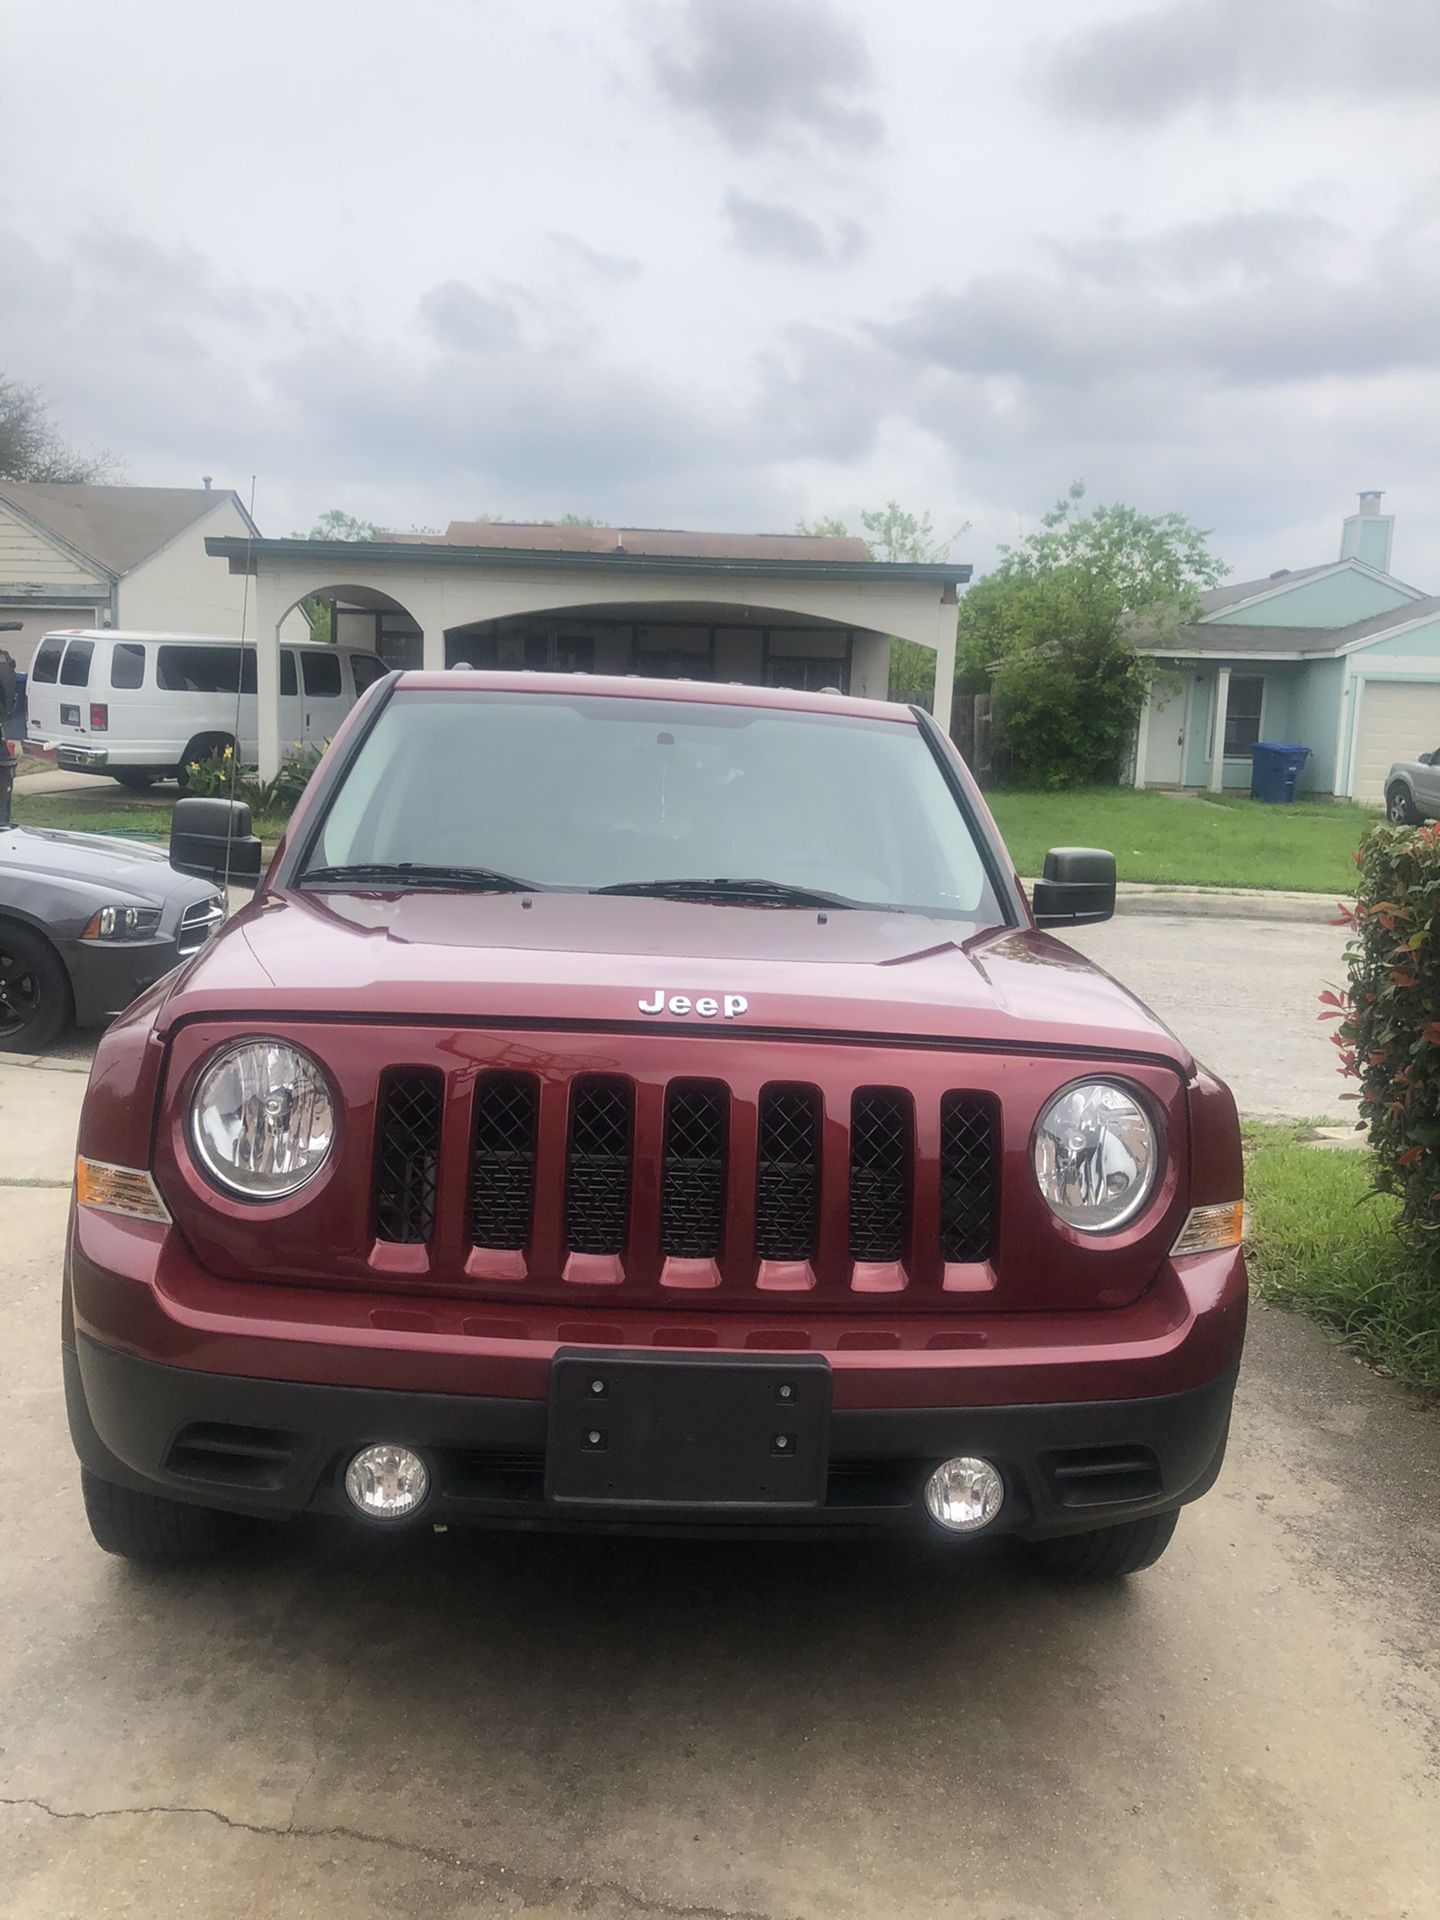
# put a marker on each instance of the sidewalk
(1223, 903)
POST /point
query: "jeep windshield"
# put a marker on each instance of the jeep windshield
(694, 800)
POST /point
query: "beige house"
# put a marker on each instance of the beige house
(785, 610)
(80, 556)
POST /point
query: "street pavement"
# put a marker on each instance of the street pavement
(475, 1726)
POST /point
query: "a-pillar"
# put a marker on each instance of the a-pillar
(1217, 744)
(945, 658)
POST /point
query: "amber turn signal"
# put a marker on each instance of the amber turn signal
(128, 1190)
(1208, 1229)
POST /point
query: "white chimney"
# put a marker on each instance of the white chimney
(1366, 535)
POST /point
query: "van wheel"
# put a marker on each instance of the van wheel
(1107, 1554)
(201, 748)
(1400, 809)
(137, 779)
(35, 999)
(145, 1526)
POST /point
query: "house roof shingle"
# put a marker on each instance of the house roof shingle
(1218, 639)
(667, 541)
(117, 526)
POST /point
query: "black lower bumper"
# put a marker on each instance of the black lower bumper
(272, 1447)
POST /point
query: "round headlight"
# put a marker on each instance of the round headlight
(1096, 1155)
(263, 1119)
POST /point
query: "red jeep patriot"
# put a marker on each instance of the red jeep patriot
(640, 1104)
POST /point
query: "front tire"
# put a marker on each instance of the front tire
(1110, 1553)
(35, 1002)
(145, 1526)
(1400, 808)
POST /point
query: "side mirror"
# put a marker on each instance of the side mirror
(1078, 888)
(1424, 759)
(207, 837)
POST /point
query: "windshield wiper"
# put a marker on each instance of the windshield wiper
(415, 873)
(772, 893)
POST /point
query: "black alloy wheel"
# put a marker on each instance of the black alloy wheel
(34, 992)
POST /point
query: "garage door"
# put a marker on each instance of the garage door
(1398, 719)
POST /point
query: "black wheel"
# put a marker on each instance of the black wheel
(144, 1526)
(1108, 1554)
(201, 748)
(1400, 809)
(137, 779)
(34, 991)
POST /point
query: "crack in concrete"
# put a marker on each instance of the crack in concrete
(531, 1886)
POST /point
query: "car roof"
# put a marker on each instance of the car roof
(708, 693)
(191, 639)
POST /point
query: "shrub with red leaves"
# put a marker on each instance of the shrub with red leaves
(1389, 1023)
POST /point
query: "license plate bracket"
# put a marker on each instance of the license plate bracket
(688, 1430)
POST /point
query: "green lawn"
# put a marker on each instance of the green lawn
(110, 809)
(1322, 1243)
(1226, 840)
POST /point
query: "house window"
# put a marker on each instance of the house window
(1242, 714)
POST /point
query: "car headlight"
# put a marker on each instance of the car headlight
(263, 1119)
(122, 923)
(1096, 1155)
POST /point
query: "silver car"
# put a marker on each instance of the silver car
(87, 924)
(1412, 790)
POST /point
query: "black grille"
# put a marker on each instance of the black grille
(407, 1160)
(967, 1177)
(692, 1188)
(787, 1182)
(879, 1174)
(597, 1166)
(502, 1164)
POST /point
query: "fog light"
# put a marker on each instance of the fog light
(964, 1495)
(387, 1482)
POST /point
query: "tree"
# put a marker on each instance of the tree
(31, 447)
(336, 525)
(1055, 626)
(893, 534)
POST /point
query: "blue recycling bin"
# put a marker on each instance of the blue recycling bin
(1275, 766)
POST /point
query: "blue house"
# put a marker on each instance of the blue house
(1343, 659)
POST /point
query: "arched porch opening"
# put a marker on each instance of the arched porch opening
(354, 616)
(679, 640)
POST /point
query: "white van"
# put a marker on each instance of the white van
(142, 706)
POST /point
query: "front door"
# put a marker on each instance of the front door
(1165, 744)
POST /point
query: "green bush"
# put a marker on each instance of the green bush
(215, 777)
(1389, 1027)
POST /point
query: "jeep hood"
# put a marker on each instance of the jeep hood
(564, 958)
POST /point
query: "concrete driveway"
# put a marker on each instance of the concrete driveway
(476, 1726)
(1243, 996)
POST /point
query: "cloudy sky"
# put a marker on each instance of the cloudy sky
(724, 263)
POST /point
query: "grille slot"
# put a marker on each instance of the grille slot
(967, 1177)
(880, 1154)
(1104, 1476)
(692, 1188)
(597, 1166)
(407, 1158)
(229, 1456)
(197, 923)
(787, 1185)
(502, 1163)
